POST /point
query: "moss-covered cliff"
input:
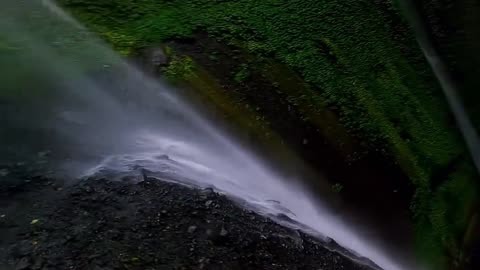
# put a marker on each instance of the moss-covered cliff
(453, 28)
(360, 90)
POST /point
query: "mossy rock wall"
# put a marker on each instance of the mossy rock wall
(453, 29)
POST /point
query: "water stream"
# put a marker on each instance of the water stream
(68, 94)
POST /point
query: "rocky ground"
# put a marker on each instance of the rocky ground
(146, 224)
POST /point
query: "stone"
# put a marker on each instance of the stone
(158, 57)
(23, 264)
(43, 154)
(208, 203)
(192, 229)
(223, 232)
(4, 172)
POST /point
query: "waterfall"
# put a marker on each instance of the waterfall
(68, 93)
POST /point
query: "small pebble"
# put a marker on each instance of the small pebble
(43, 154)
(192, 229)
(4, 172)
(223, 232)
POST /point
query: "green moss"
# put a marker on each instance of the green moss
(310, 103)
(185, 71)
(449, 211)
(242, 74)
(180, 68)
(6, 47)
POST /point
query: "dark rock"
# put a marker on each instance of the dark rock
(22, 248)
(192, 229)
(223, 232)
(158, 57)
(128, 226)
(208, 203)
(23, 264)
(38, 263)
(4, 172)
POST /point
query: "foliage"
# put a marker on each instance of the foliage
(359, 56)
(242, 74)
(180, 68)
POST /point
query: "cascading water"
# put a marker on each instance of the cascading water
(67, 93)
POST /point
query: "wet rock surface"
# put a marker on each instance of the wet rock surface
(147, 224)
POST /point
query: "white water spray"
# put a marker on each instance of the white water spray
(109, 116)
